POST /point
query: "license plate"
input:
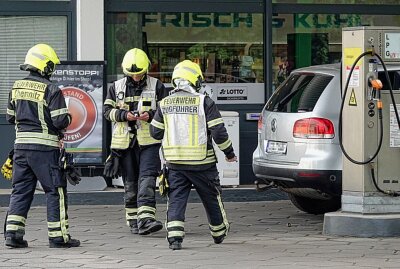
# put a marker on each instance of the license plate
(276, 147)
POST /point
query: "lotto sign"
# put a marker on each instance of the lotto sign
(232, 93)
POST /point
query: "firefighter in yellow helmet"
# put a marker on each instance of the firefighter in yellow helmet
(187, 122)
(130, 105)
(37, 107)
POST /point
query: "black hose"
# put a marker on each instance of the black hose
(391, 193)
(390, 89)
(341, 114)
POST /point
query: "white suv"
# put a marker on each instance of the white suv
(298, 145)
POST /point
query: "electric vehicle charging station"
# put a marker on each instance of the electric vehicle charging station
(369, 154)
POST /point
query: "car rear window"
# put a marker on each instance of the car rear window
(299, 93)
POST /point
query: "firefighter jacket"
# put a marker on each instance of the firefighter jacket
(187, 123)
(37, 108)
(127, 95)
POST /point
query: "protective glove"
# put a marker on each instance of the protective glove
(6, 169)
(112, 166)
(163, 185)
(73, 176)
(68, 169)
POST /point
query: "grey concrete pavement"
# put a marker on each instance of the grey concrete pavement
(267, 234)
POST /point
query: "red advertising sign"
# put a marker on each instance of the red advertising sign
(82, 86)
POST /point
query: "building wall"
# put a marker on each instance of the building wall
(90, 30)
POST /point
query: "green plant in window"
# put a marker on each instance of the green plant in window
(222, 54)
(197, 52)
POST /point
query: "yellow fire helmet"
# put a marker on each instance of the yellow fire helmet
(41, 58)
(189, 71)
(135, 62)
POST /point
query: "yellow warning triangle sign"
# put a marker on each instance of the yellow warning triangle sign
(352, 100)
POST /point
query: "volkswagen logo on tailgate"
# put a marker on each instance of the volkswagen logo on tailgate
(273, 125)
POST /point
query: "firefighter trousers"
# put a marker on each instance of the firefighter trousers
(208, 187)
(141, 166)
(30, 166)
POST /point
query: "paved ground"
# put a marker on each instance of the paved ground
(267, 234)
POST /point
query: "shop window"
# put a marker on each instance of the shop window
(300, 40)
(227, 46)
(17, 35)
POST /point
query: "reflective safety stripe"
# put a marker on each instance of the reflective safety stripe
(146, 215)
(223, 228)
(53, 224)
(211, 159)
(113, 114)
(14, 227)
(131, 210)
(225, 145)
(216, 234)
(56, 224)
(143, 135)
(110, 102)
(132, 99)
(63, 215)
(37, 135)
(146, 212)
(58, 112)
(45, 129)
(36, 141)
(146, 208)
(172, 153)
(224, 218)
(175, 228)
(53, 234)
(11, 112)
(147, 102)
(120, 137)
(216, 228)
(131, 213)
(37, 138)
(214, 122)
(157, 124)
(176, 234)
(120, 133)
(16, 218)
(175, 223)
(130, 217)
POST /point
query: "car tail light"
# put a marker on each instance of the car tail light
(313, 128)
(260, 124)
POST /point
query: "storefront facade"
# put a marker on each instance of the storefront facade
(245, 48)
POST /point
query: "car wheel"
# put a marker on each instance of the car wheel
(315, 206)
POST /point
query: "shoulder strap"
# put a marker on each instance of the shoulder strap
(120, 87)
(151, 83)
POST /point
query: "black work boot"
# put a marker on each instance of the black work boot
(176, 245)
(133, 226)
(71, 243)
(149, 226)
(219, 239)
(16, 243)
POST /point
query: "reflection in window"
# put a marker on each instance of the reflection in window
(303, 39)
(227, 46)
